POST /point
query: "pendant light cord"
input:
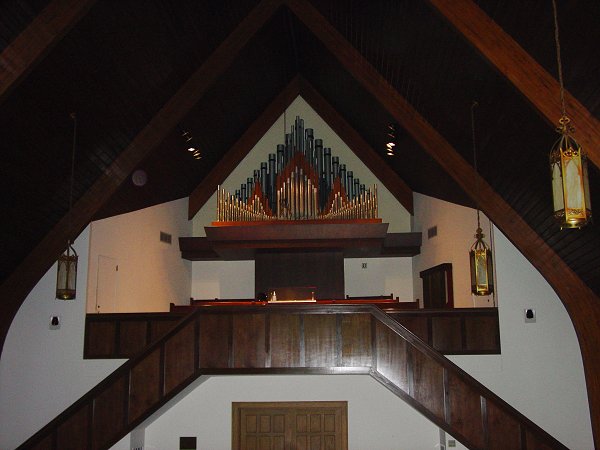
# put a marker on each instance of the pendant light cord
(560, 75)
(473, 106)
(70, 225)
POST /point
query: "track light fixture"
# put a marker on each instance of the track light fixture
(391, 139)
(188, 138)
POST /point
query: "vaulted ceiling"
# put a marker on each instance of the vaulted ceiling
(139, 73)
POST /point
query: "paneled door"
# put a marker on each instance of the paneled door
(290, 426)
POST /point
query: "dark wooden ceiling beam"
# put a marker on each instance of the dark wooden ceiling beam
(525, 73)
(374, 162)
(241, 148)
(20, 282)
(582, 304)
(30, 47)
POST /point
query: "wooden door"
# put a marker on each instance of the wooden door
(290, 426)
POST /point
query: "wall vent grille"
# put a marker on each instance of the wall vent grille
(165, 237)
(432, 232)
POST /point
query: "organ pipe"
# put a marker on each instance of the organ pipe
(302, 180)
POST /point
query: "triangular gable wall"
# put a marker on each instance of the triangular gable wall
(391, 211)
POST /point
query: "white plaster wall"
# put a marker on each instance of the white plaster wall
(222, 279)
(456, 227)
(540, 371)
(151, 273)
(42, 371)
(381, 276)
(377, 420)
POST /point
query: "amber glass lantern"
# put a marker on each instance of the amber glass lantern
(570, 189)
(66, 277)
(482, 269)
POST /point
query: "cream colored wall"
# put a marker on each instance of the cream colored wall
(456, 227)
(393, 275)
(151, 273)
(540, 370)
(377, 420)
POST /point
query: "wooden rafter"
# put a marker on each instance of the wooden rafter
(30, 47)
(525, 73)
(20, 282)
(390, 179)
(241, 148)
(582, 304)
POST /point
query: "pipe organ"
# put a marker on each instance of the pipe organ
(301, 181)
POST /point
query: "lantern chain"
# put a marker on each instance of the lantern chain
(473, 106)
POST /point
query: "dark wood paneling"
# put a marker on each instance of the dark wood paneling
(391, 356)
(20, 282)
(320, 340)
(417, 325)
(356, 340)
(535, 442)
(446, 334)
(46, 444)
(528, 76)
(159, 328)
(100, 339)
(215, 340)
(481, 333)
(323, 269)
(336, 339)
(465, 410)
(504, 431)
(285, 340)
(179, 357)
(144, 388)
(132, 337)
(249, 340)
(427, 382)
(21, 55)
(73, 434)
(109, 414)
(580, 301)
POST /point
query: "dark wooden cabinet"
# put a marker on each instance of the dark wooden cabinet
(437, 286)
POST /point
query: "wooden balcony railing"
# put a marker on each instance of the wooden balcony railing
(464, 331)
(336, 339)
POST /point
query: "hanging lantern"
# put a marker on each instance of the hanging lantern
(570, 189)
(66, 277)
(482, 270)
(568, 163)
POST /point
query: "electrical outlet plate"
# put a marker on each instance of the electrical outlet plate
(54, 323)
(529, 315)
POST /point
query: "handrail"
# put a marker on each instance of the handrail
(345, 339)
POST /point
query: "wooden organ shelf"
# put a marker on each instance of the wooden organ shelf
(361, 238)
